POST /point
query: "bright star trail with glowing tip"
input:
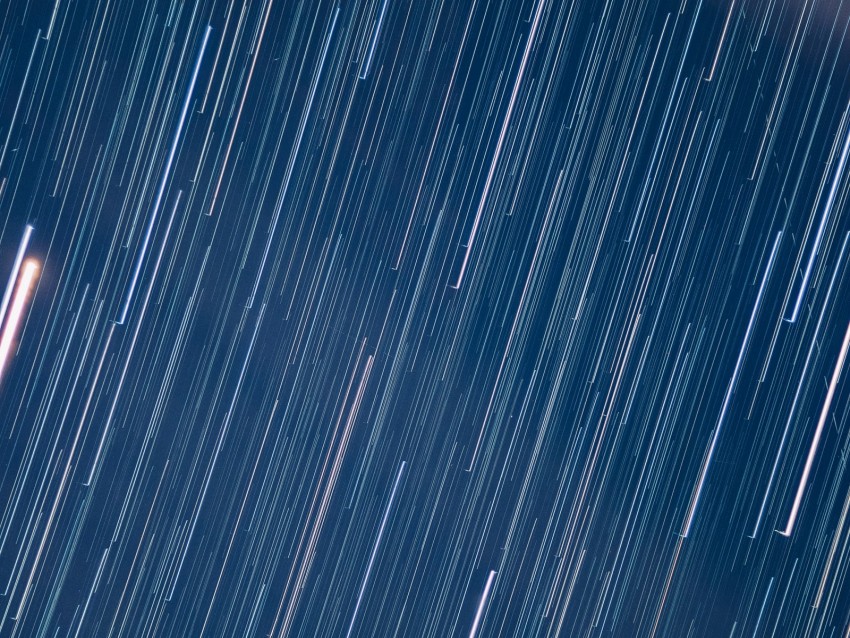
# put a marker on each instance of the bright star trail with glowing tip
(348, 318)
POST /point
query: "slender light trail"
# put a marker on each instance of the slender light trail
(302, 125)
(498, 152)
(175, 142)
(256, 54)
(729, 390)
(374, 41)
(827, 211)
(813, 449)
(375, 548)
(720, 44)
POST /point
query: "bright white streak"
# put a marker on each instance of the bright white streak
(16, 312)
(482, 604)
(836, 374)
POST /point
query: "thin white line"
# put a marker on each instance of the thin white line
(165, 175)
(836, 374)
(482, 604)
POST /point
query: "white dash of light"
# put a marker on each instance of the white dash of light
(482, 604)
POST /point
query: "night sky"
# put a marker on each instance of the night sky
(424, 318)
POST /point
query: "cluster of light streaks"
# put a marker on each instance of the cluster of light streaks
(379, 318)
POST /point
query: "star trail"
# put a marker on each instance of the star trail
(383, 318)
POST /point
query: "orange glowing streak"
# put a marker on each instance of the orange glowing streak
(26, 282)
